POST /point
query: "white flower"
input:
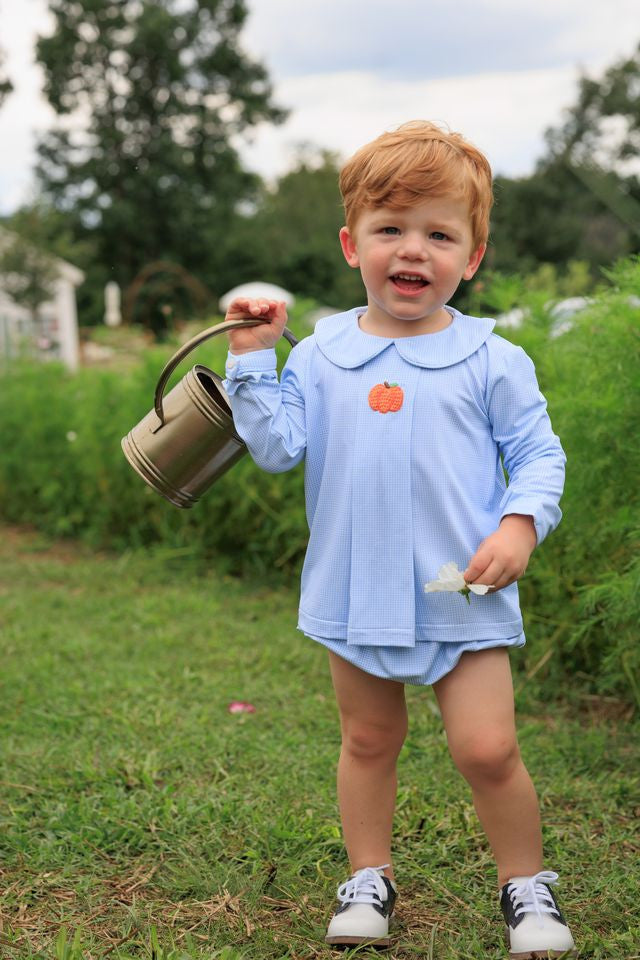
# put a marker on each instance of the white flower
(451, 579)
(71, 436)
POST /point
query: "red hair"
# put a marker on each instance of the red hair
(417, 161)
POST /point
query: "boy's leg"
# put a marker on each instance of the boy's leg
(373, 719)
(476, 701)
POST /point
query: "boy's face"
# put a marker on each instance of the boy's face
(412, 261)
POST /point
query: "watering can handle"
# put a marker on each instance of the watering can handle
(196, 341)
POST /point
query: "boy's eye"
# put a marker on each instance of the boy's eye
(390, 231)
(439, 235)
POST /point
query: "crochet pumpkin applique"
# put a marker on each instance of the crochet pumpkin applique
(386, 397)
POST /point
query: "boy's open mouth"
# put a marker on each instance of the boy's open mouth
(409, 282)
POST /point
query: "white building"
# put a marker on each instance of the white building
(54, 334)
(253, 290)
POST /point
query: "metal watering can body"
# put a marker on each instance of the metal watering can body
(188, 440)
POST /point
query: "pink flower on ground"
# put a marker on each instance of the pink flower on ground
(241, 706)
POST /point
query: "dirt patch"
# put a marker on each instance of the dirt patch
(28, 541)
(118, 909)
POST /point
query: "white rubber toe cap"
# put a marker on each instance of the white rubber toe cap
(530, 935)
(359, 920)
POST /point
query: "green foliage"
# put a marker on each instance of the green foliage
(48, 228)
(586, 576)
(586, 132)
(68, 950)
(27, 270)
(52, 232)
(5, 84)
(154, 177)
(499, 292)
(553, 217)
(583, 200)
(291, 238)
(62, 469)
(250, 520)
(162, 88)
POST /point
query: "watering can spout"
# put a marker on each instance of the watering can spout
(182, 446)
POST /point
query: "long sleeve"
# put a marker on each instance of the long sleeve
(268, 414)
(531, 452)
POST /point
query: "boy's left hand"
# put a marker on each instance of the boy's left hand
(503, 556)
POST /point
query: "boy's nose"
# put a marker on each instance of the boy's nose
(413, 248)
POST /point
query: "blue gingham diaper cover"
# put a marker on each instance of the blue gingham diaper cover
(424, 664)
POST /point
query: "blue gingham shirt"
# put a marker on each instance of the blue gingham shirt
(391, 497)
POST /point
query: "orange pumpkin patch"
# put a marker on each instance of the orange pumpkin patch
(386, 397)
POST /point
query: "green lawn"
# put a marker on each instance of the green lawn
(139, 818)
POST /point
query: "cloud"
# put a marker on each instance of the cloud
(25, 112)
(342, 111)
(436, 38)
(498, 70)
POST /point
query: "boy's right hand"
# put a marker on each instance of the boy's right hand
(263, 336)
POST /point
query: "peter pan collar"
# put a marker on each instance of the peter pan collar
(341, 340)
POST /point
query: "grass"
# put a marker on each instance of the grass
(139, 818)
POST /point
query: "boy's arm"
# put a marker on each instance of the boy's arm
(268, 415)
(534, 461)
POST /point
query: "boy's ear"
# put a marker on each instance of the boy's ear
(349, 247)
(474, 262)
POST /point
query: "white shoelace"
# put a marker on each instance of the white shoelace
(365, 886)
(533, 896)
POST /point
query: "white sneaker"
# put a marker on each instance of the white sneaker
(535, 925)
(366, 906)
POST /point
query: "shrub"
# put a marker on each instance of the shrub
(61, 468)
(587, 573)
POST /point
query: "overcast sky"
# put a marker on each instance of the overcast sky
(500, 71)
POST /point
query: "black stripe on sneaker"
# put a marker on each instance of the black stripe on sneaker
(384, 907)
(509, 907)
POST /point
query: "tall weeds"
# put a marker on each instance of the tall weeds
(61, 469)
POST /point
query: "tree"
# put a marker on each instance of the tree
(604, 124)
(158, 88)
(552, 217)
(582, 203)
(292, 236)
(5, 84)
(599, 142)
(27, 272)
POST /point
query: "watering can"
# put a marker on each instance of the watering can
(188, 440)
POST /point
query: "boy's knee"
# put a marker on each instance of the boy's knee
(372, 742)
(487, 755)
